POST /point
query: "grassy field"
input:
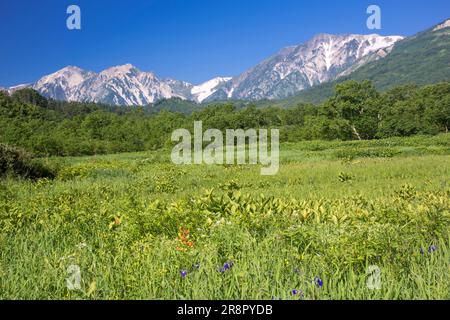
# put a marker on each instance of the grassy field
(139, 227)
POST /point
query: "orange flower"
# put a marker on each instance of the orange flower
(183, 235)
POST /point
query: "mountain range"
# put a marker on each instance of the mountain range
(421, 59)
(306, 69)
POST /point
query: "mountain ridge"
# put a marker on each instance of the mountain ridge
(292, 71)
(289, 71)
(296, 68)
(420, 59)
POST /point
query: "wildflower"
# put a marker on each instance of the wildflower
(296, 292)
(226, 266)
(432, 248)
(422, 251)
(318, 282)
(183, 273)
(183, 236)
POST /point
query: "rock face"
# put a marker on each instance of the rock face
(63, 84)
(120, 85)
(293, 69)
(443, 25)
(296, 68)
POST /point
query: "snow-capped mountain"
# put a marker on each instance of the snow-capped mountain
(123, 85)
(119, 85)
(293, 69)
(296, 68)
(208, 88)
(63, 84)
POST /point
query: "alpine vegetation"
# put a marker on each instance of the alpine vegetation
(236, 149)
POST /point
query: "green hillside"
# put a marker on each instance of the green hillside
(420, 59)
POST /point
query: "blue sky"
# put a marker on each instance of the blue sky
(191, 40)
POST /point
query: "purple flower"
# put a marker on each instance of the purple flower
(432, 248)
(183, 273)
(226, 266)
(318, 282)
(296, 292)
(422, 251)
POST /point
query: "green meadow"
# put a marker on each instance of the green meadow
(136, 226)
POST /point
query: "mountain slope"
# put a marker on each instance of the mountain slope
(119, 85)
(296, 68)
(303, 73)
(420, 59)
(123, 85)
(208, 88)
(63, 84)
(293, 69)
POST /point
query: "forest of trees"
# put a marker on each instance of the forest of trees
(355, 111)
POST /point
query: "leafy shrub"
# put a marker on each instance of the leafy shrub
(18, 162)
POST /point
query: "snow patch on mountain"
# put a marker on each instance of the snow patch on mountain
(297, 68)
(206, 89)
(328, 53)
(376, 43)
(12, 89)
(443, 25)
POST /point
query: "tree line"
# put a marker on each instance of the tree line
(355, 111)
